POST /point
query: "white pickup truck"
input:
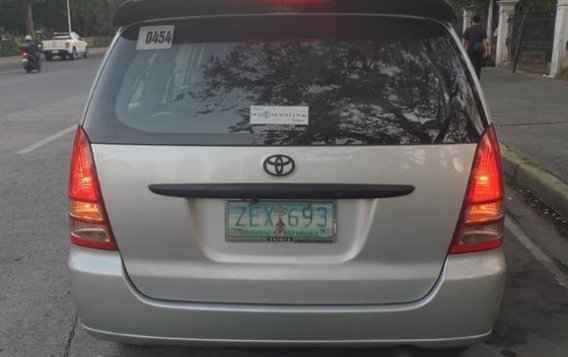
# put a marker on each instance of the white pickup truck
(65, 46)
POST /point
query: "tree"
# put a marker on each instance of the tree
(29, 18)
(14, 11)
(89, 17)
(93, 17)
(28, 15)
(477, 5)
(538, 5)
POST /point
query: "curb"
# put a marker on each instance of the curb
(8, 63)
(98, 50)
(527, 173)
(95, 51)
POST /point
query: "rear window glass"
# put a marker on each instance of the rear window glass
(286, 81)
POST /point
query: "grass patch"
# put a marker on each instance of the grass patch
(563, 75)
(518, 157)
(9, 48)
(99, 41)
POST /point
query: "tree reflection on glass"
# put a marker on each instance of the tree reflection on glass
(364, 93)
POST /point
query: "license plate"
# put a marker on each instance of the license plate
(281, 221)
(54, 51)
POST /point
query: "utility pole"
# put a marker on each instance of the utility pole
(69, 17)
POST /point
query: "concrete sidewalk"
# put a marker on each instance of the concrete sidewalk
(531, 114)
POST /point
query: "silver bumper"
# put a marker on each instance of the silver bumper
(459, 311)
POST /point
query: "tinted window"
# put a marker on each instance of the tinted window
(323, 80)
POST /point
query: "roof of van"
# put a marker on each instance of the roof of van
(135, 11)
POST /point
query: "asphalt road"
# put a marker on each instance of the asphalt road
(37, 316)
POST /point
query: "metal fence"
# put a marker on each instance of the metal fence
(532, 39)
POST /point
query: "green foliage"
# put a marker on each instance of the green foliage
(99, 41)
(89, 17)
(475, 5)
(538, 5)
(11, 15)
(8, 47)
(93, 17)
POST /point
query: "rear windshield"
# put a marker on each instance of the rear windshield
(286, 81)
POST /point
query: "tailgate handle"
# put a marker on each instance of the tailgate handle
(281, 191)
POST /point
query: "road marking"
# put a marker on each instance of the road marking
(47, 140)
(541, 256)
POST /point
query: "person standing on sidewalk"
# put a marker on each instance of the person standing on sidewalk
(476, 44)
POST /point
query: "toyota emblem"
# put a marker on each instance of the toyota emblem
(279, 165)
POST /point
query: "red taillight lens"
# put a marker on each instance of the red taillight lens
(481, 223)
(487, 180)
(83, 180)
(88, 223)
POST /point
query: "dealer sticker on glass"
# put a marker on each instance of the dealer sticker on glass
(283, 115)
(155, 38)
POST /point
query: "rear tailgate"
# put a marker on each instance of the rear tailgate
(386, 251)
(388, 102)
(54, 45)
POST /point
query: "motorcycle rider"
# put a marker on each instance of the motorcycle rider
(33, 49)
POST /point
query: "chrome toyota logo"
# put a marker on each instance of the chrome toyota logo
(279, 165)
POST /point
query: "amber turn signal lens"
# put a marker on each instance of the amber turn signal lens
(86, 211)
(484, 213)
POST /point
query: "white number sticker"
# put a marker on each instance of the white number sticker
(155, 38)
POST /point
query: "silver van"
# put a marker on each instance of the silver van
(287, 172)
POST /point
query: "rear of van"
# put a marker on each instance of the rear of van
(318, 176)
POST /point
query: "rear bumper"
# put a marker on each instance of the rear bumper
(459, 311)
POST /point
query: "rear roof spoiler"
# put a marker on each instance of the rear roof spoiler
(135, 11)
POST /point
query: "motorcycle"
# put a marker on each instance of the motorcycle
(29, 61)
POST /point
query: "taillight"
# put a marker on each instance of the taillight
(481, 223)
(88, 222)
(67, 45)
